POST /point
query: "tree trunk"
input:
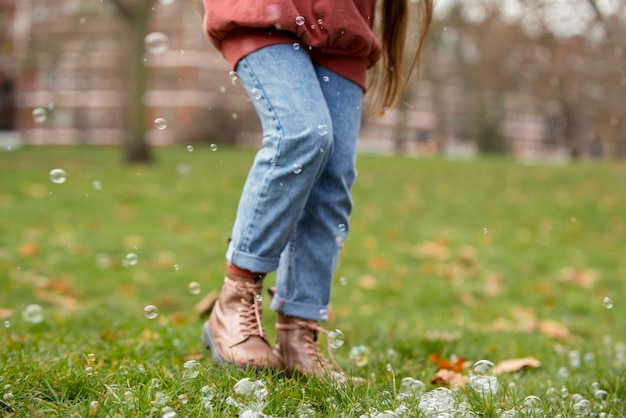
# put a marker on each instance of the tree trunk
(136, 147)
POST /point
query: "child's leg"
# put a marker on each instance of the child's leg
(297, 143)
(308, 262)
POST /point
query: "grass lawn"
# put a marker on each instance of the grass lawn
(446, 262)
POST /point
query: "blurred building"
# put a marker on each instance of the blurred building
(64, 80)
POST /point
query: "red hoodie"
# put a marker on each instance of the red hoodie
(337, 33)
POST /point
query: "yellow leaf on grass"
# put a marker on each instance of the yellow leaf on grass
(432, 249)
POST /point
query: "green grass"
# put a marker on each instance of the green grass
(513, 249)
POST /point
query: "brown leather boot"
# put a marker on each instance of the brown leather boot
(234, 331)
(297, 347)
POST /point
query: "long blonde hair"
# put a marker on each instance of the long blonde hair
(389, 78)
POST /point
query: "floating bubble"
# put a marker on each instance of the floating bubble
(256, 93)
(511, 413)
(176, 267)
(189, 148)
(336, 338)
(191, 369)
(33, 313)
(182, 398)
(574, 359)
(297, 168)
(194, 288)
(58, 176)
(582, 408)
(150, 311)
(322, 130)
(130, 260)
(160, 124)
(156, 42)
(40, 115)
(300, 20)
(213, 147)
(96, 184)
(320, 21)
(166, 2)
(326, 79)
(89, 371)
(7, 323)
(483, 367)
(296, 46)
(343, 280)
(342, 227)
(485, 231)
(360, 355)
(233, 76)
(607, 302)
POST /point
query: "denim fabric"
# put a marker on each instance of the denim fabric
(294, 210)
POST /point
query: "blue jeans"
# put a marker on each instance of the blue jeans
(294, 209)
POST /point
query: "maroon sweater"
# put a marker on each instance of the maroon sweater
(337, 33)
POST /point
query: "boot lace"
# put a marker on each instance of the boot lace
(250, 313)
(311, 345)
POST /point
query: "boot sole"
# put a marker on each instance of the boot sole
(209, 341)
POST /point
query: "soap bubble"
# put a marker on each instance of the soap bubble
(156, 42)
(300, 20)
(33, 313)
(360, 355)
(191, 369)
(194, 288)
(150, 311)
(58, 176)
(189, 148)
(322, 130)
(213, 147)
(40, 115)
(412, 386)
(608, 303)
(297, 168)
(130, 260)
(482, 378)
(336, 338)
(254, 389)
(160, 124)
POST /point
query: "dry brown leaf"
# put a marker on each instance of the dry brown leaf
(493, 284)
(553, 329)
(367, 282)
(432, 249)
(455, 365)
(28, 249)
(6, 313)
(378, 262)
(514, 365)
(583, 278)
(449, 377)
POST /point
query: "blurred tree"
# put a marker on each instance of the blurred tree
(136, 13)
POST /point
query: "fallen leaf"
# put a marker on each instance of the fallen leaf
(455, 365)
(432, 249)
(449, 377)
(553, 329)
(583, 278)
(378, 262)
(514, 365)
(493, 284)
(28, 249)
(6, 313)
(367, 282)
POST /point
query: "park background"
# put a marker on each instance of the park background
(489, 221)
